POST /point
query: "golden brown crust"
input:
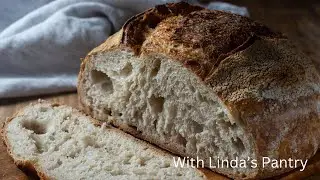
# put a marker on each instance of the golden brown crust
(269, 87)
(274, 91)
(135, 30)
(312, 170)
(197, 37)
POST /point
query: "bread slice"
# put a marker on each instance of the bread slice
(206, 84)
(59, 142)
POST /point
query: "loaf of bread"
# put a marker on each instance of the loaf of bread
(58, 142)
(206, 84)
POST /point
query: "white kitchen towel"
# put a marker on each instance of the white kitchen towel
(40, 53)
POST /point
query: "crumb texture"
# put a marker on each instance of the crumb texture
(64, 144)
(167, 104)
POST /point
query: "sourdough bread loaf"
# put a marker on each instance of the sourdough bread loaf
(59, 142)
(206, 84)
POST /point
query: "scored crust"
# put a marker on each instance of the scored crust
(267, 84)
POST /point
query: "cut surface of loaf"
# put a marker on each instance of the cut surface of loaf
(59, 142)
(206, 84)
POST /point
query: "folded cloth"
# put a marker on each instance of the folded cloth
(40, 53)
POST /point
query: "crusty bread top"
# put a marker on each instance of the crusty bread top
(208, 36)
(268, 85)
(231, 53)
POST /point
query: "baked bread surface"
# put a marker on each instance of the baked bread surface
(266, 87)
(59, 142)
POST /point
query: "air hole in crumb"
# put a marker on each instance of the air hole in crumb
(142, 82)
(181, 140)
(39, 147)
(51, 137)
(201, 151)
(76, 121)
(59, 162)
(117, 172)
(89, 141)
(143, 69)
(226, 125)
(127, 159)
(192, 89)
(165, 164)
(238, 144)
(156, 68)
(107, 111)
(196, 127)
(199, 97)
(43, 109)
(222, 115)
(137, 115)
(172, 111)
(100, 78)
(126, 71)
(142, 162)
(65, 129)
(56, 148)
(213, 148)
(156, 104)
(116, 114)
(192, 143)
(107, 86)
(135, 129)
(66, 117)
(34, 126)
(155, 122)
(126, 162)
(73, 155)
(37, 142)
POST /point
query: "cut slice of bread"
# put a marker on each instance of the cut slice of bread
(59, 142)
(206, 84)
